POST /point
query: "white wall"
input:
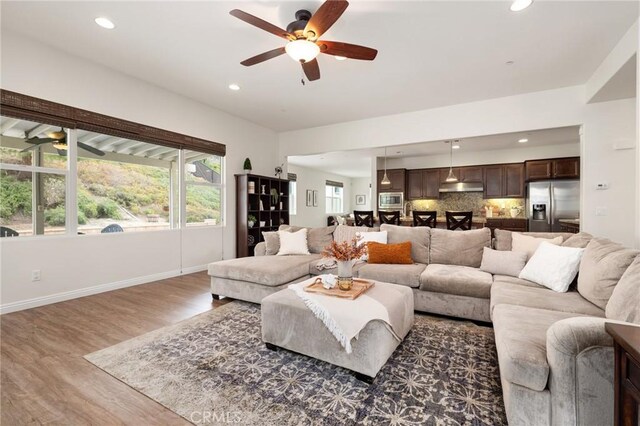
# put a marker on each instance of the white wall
(316, 180)
(89, 261)
(465, 158)
(609, 156)
(361, 186)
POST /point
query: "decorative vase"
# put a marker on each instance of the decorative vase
(515, 212)
(251, 223)
(345, 274)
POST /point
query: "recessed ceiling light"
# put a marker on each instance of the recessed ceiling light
(234, 87)
(456, 147)
(519, 5)
(105, 22)
(523, 140)
(340, 58)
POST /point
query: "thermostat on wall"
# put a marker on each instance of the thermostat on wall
(602, 186)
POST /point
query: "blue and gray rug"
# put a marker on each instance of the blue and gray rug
(215, 369)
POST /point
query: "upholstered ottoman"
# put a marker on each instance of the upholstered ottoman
(288, 323)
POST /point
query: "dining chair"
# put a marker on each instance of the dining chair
(459, 220)
(390, 217)
(425, 218)
(363, 218)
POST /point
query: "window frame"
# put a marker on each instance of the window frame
(329, 199)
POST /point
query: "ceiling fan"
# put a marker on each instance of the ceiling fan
(303, 38)
(59, 141)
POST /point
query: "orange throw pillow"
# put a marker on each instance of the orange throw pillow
(397, 254)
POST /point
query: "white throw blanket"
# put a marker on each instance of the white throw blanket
(344, 318)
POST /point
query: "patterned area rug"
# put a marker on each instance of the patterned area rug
(215, 369)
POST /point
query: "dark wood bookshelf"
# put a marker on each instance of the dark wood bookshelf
(259, 205)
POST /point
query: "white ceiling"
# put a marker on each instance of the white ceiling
(357, 163)
(430, 53)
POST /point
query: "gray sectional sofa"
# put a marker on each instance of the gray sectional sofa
(556, 361)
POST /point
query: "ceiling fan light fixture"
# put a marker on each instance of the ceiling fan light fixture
(302, 50)
(340, 58)
(60, 145)
(519, 5)
(60, 134)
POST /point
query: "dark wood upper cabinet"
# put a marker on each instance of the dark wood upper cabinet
(504, 181)
(538, 170)
(514, 181)
(397, 178)
(414, 184)
(423, 184)
(493, 181)
(560, 168)
(470, 174)
(431, 184)
(566, 168)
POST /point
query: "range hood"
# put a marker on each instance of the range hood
(461, 187)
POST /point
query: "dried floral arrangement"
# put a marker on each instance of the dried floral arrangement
(345, 250)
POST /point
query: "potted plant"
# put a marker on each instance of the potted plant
(247, 165)
(251, 220)
(345, 253)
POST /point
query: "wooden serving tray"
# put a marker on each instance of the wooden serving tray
(359, 287)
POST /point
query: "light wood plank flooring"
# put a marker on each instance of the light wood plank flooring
(45, 380)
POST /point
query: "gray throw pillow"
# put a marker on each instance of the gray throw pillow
(579, 240)
(624, 304)
(418, 236)
(602, 266)
(272, 243)
(463, 248)
(503, 262)
(317, 238)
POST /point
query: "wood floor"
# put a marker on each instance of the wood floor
(45, 380)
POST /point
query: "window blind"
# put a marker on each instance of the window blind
(334, 183)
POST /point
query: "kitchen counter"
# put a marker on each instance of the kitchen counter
(569, 225)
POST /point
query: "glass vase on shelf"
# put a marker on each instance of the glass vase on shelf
(345, 274)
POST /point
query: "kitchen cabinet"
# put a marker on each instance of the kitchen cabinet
(559, 168)
(470, 174)
(508, 224)
(504, 181)
(423, 184)
(397, 178)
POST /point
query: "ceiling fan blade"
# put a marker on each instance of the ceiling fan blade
(39, 141)
(90, 149)
(263, 57)
(36, 144)
(311, 70)
(62, 152)
(325, 17)
(352, 51)
(260, 23)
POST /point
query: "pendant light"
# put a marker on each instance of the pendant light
(451, 177)
(385, 179)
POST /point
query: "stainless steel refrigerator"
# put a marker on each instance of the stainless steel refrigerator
(549, 201)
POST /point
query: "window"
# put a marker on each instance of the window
(293, 194)
(334, 193)
(120, 184)
(203, 182)
(33, 173)
(126, 188)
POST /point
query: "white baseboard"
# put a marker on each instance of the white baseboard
(88, 291)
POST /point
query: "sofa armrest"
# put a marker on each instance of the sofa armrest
(581, 368)
(261, 249)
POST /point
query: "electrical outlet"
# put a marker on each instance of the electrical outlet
(35, 275)
(601, 211)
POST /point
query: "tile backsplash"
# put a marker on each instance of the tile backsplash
(471, 201)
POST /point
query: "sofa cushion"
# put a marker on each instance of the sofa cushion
(529, 244)
(408, 275)
(624, 304)
(602, 266)
(463, 248)
(419, 237)
(347, 233)
(521, 342)
(458, 280)
(266, 270)
(514, 280)
(503, 262)
(503, 237)
(553, 266)
(541, 298)
(271, 242)
(579, 240)
(317, 238)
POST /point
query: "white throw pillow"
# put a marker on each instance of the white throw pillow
(503, 262)
(365, 237)
(293, 242)
(553, 266)
(529, 244)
